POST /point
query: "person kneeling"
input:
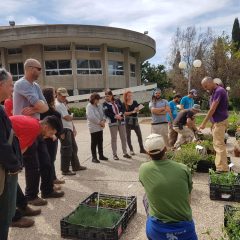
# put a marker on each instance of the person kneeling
(168, 187)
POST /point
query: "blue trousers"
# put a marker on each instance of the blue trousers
(7, 204)
(156, 230)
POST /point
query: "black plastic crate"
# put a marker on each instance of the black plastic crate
(130, 210)
(74, 231)
(224, 192)
(203, 166)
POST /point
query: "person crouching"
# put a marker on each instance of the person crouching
(168, 187)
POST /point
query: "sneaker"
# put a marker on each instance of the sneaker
(132, 153)
(28, 211)
(115, 157)
(53, 194)
(80, 168)
(103, 158)
(95, 160)
(22, 223)
(126, 156)
(58, 181)
(38, 202)
(143, 150)
(68, 173)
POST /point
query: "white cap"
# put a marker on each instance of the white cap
(154, 142)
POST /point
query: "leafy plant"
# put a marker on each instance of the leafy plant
(228, 179)
(233, 226)
(88, 216)
(110, 203)
(78, 112)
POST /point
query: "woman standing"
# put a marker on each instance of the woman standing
(96, 123)
(52, 144)
(131, 119)
(114, 111)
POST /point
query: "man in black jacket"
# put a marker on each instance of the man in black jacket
(10, 159)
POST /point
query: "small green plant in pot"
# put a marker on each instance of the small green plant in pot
(233, 223)
(227, 179)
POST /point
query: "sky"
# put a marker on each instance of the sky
(159, 17)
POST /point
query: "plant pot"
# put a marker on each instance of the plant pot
(203, 166)
(231, 132)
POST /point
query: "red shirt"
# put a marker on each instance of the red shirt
(8, 105)
(26, 129)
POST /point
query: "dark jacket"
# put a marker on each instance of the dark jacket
(109, 112)
(10, 154)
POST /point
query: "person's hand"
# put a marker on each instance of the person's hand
(62, 136)
(102, 124)
(202, 126)
(74, 132)
(136, 110)
(54, 138)
(118, 117)
(28, 111)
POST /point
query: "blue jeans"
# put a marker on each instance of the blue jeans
(7, 204)
(157, 230)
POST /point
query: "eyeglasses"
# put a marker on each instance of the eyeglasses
(38, 68)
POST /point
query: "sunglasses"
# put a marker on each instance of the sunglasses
(38, 68)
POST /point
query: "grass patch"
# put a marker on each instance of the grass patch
(87, 216)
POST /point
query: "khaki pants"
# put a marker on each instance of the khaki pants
(218, 132)
(185, 135)
(172, 135)
(161, 129)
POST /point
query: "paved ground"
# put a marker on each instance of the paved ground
(113, 177)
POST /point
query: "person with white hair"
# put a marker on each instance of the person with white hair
(168, 187)
(218, 81)
(218, 115)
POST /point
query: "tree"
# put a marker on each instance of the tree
(236, 35)
(155, 74)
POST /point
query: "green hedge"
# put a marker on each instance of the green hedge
(78, 112)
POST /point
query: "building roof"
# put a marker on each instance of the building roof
(19, 35)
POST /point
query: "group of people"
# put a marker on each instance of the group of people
(168, 184)
(31, 122)
(34, 119)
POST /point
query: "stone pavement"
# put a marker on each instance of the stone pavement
(114, 177)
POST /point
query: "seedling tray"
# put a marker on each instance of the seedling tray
(130, 210)
(76, 231)
(203, 166)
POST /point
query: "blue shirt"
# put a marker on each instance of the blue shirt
(187, 102)
(159, 104)
(174, 110)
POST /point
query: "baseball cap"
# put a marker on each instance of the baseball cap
(154, 142)
(196, 107)
(63, 92)
(194, 92)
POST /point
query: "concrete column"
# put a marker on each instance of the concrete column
(3, 58)
(105, 65)
(138, 68)
(74, 69)
(126, 65)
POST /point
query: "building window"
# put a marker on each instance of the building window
(51, 48)
(132, 70)
(16, 69)
(132, 54)
(115, 68)
(58, 67)
(88, 48)
(115, 50)
(89, 66)
(12, 51)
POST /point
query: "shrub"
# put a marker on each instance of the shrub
(78, 112)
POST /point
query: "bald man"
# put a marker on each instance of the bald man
(28, 100)
(218, 115)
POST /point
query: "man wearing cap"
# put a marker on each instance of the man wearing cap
(159, 108)
(29, 100)
(69, 149)
(218, 115)
(184, 125)
(168, 187)
(188, 101)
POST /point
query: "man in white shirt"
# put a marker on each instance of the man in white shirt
(69, 147)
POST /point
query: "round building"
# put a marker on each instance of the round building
(81, 58)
